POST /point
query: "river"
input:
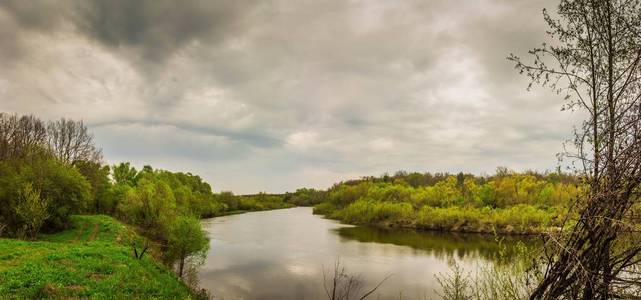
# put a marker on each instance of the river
(282, 254)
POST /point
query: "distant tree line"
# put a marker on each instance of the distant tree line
(260, 201)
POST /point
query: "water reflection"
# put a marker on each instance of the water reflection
(281, 254)
(463, 246)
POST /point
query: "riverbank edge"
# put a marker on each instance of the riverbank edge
(493, 231)
(240, 212)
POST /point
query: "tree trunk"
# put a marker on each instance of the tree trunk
(181, 266)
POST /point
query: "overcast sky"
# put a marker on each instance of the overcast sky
(272, 95)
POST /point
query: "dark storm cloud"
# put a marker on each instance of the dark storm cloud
(274, 94)
(155, 28)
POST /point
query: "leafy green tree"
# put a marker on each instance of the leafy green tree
(186, 239)
(305, 197)
(468, 189)
(486, 196)
(114, 198)
(415, 179)
(32, 209)
(124, 173)
(98, 177)
(67, 191)
(230, 200)
(147, 169)
(149, 204)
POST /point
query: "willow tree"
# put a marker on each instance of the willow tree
(594, 62)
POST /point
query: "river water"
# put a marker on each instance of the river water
(282, 254)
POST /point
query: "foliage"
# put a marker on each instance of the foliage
(506, 202)
(186, 239)
(90, 260)
(230, 201)
(124, 173)
(305, 197)
(261, 201)
(66, 190)
(192, 194)
(98, 177)
(369, 211)
(51, 170)
(166, 205)
(149, 205)
(32, 209)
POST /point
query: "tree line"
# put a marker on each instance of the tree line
(52, 170)
(507, 201)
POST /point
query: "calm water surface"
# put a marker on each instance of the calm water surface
(281, 254)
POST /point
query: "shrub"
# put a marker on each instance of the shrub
(150, 204)
(372, 212)
(186, 239)
(66, 190)
(324, 208)
(32, 209)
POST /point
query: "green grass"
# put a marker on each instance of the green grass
(90, 260)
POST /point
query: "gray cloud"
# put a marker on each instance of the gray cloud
(273, 95)
(155, 29)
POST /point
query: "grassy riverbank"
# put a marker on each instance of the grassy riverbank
(90, 260)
